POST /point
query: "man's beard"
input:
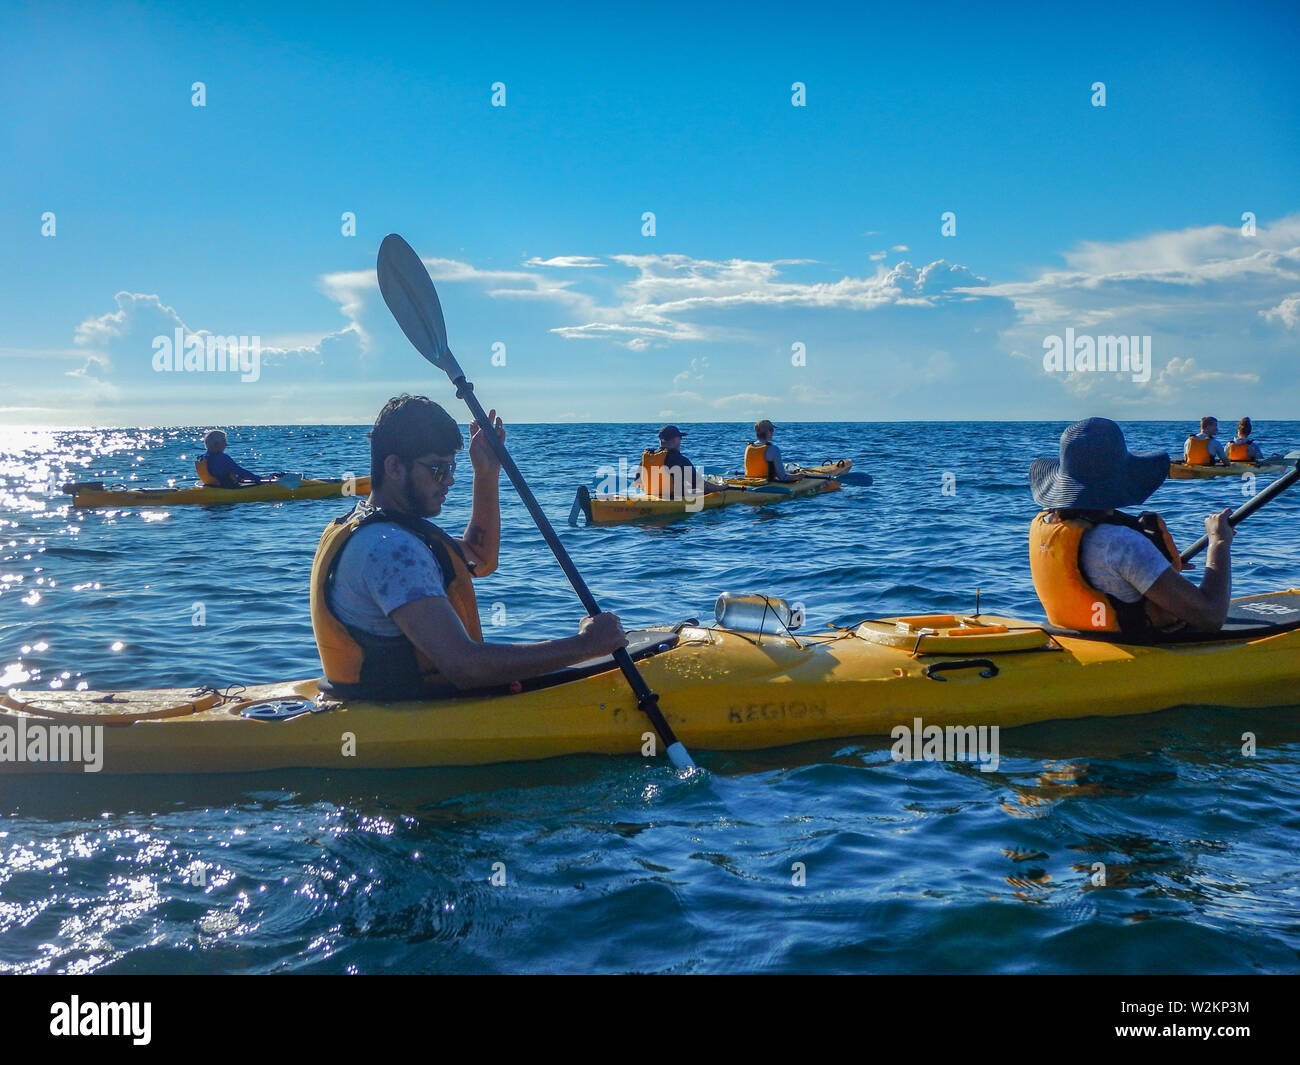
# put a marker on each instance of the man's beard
(415, 505)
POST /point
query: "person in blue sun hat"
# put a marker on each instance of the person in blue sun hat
(1097, 569)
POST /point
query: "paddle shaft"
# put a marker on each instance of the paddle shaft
(1247, 509)
(646, 699)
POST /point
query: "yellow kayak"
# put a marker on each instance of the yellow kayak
(1181, 471)
(755, 491)
(719, 689)
(94, 494)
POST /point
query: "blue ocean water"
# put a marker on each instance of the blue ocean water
(609, 864)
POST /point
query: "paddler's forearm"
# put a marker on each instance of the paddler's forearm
(1216, 585)
(483, 533)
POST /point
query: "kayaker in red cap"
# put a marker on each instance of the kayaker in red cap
(667, 473)
(762, 457)
(392, 605)
(1098, 569)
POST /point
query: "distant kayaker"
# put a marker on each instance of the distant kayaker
(1203, 449)
(1242, 448)
(1097, 569)
(667, 473)
(392, 605)
(215, 467)
(762, 457)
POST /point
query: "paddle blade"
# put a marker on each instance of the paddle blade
(291, 481)
(408, 290)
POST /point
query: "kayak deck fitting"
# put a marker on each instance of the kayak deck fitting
(755, 491)
(720, 690)
(94, 494)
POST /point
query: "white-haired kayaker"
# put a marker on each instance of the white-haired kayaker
(1098, 569)
(392, 605)
(215, 467)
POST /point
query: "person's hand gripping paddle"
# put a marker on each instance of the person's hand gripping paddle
(408, 290)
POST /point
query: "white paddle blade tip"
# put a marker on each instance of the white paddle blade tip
(680, 757)
(408, 291)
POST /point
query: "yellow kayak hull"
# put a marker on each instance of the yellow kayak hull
(720, 690)
(1181, 471)
(202, 494)
(610, 510)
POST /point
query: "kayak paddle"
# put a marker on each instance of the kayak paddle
(1248, 508)
(408, 290)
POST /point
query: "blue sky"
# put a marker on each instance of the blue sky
(775, 225)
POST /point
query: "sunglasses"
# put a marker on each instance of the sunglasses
(439, 471)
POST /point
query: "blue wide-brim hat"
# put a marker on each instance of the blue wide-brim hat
(1096, 470)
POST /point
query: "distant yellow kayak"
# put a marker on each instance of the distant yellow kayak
(94, 494)
(755, 491)
(1181, 471)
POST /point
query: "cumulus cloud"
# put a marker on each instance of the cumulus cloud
(1287, 312)
(639, 301)
(1209, 296)
(1205, 269)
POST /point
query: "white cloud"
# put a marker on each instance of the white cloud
(1287, 312)
(1202, 294)
(566, 261)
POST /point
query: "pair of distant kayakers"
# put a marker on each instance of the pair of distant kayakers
(1202, 449)
(215, 467)
(666, 472)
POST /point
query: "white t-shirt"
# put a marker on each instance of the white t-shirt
(382, 567)
(1120, 562)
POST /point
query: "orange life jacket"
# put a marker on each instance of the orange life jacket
(654, 479)
(201, 468)
(1239, 452)
(361, 664)
(756, 464)
(1197, 450)
(1068, 599)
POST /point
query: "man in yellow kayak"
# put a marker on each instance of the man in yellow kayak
(215, 467)
(392, 606)
(1203, 449)
(667, 473)
(762, 457)
(1097, 569)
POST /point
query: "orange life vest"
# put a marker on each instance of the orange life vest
(361, 664)
(654, 480)
(1239, 452)
(201, 468)
(1197, 450)
(756, 464)
(1068, 599)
